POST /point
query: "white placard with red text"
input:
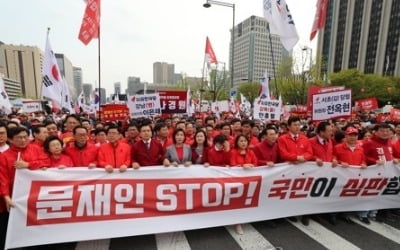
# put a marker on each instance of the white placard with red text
(78, 204)
(332, 104)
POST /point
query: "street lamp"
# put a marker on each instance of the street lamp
(208, 4)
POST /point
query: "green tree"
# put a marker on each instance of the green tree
(250, 90)
(385, 89)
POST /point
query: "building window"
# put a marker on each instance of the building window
(356, 33)
(340, 35)
(392, 41)
(373, 36)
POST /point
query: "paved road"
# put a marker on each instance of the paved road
(284, 234)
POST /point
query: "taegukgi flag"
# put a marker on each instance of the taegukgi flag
(5, 103)
(52, 83)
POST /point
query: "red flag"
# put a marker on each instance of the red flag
(90, 22)
(320, 17)
(210, 55)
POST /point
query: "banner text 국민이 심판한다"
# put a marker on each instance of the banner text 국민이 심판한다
(78, 204)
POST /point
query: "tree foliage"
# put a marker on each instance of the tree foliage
(385, 89)
(250, 90)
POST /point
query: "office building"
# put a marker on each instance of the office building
(66, 70)
(133, 85)
(13, 88)
(23, 64)
(87, 90)
(361, 34)
(252, 51)
(117, 88)
(77, 73)
(163, 73)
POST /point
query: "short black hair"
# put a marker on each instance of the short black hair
(247, 122)
(293, 119)
(235, 120)
(15, 131)
(381, 125)
(219, 139)
(73, 116)
(146, 124)
(99, 130)
(48, 140)
(36, 129)
(78, 127)
(159, 126)
(322, 126)
(113, 126)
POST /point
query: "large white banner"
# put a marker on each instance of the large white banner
(332, 104)
(144, 105)
(78, 204)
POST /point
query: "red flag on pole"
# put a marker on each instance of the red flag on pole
(210, 55)
(90, 22)
(320, 17)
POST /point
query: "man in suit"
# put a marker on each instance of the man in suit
(147, 151)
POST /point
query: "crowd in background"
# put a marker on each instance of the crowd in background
(36, 141)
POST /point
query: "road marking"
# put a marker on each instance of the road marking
(251, 239)
(93, 245)
(383, 229)
(175, 240)
(324, 236)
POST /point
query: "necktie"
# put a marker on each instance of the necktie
(147, 145)
(295, 138)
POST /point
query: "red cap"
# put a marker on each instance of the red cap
(351, 130)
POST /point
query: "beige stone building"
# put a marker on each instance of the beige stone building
(23, 64)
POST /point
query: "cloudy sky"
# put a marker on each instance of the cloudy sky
(136, 33)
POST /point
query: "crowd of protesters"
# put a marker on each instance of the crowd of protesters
(40, 142)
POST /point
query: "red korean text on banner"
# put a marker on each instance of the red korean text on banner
(173, 102)
(114, 112)
(367, 104)
(312, 90)
(90, 22)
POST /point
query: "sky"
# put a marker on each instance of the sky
(137, 33)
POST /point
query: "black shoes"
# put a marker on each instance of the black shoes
(365, 220)
(305, 220)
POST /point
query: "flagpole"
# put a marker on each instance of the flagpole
(202, 83)
(273, 61)
(99, 68)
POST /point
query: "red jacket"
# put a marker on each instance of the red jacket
(377, 149)
(396, 149)
(114, 156)
(36, 159)
(218, 158)
(343, 154)
(237, 159)
(204, 156)
(148, 157)
(266, 153)
(64, 160)
(289, 149)
(82, 157)
(320, 151)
